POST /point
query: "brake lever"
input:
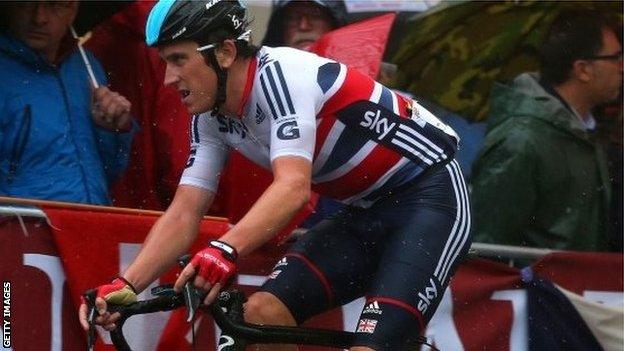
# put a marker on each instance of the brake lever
(191, 298)
(89, 297)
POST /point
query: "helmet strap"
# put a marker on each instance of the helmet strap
(211, 57)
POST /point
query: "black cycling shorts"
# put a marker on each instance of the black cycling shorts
(400, 254)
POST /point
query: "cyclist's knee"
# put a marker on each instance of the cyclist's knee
(264, 308)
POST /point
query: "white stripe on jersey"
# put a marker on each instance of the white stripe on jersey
(411, 149)
(328, 146)
(376, 95)
(419, 136)
(349, 165)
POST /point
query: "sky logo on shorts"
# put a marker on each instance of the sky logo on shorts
(366, 326)
(372, 308)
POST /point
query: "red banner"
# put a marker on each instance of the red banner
(48, 267)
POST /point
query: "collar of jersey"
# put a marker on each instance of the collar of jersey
(251, 73)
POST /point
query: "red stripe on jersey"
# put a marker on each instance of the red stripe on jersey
(362, 176)
(251, 73)
(355, 87)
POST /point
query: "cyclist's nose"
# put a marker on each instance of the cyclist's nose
(171, 76)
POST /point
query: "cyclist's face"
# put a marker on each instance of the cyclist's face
(188, 73)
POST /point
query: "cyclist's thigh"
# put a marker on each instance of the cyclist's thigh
(330, 265)
(429, 224)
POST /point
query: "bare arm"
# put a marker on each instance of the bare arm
(289, 192)
(170, 237)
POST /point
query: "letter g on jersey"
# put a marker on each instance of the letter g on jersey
(288, 130)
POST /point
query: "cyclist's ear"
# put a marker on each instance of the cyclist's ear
(226, 53)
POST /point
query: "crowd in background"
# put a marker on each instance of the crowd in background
(548, 173)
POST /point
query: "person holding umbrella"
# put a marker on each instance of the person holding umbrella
(542, 179)
(63, 134)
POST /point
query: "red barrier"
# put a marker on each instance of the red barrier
(484, 309)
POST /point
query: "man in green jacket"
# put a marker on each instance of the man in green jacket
(541, 179)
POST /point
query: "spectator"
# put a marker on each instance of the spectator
(299, 24)
(60, 139)
(541, 179)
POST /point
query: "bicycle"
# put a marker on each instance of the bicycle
(227, 312)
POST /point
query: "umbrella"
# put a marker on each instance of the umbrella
(454, 52)
(89, 14)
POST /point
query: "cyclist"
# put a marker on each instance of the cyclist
(318, 124)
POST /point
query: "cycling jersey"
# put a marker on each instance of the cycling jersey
(361, 137)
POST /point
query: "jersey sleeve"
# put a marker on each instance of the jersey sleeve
(289, 94)
(208, 154)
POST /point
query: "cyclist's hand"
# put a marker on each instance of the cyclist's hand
(212, 268)
(118, 292)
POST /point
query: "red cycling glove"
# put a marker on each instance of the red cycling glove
(217, 263)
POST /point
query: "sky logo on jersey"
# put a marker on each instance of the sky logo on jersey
(372, 308)
(424, 300)
(231, 126)
(422, 145)
(380, 125)
(366, 326)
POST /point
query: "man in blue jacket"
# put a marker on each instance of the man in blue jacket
(60, 138)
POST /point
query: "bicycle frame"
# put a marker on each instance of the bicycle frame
(250, 333)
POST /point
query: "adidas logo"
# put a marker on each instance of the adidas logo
(373, 308)
(282, 262)
(259, 114)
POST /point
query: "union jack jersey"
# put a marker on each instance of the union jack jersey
(362, 138)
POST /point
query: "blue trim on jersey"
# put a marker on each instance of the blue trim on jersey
(386, 100)
(327, 75)
(406, 173)
(195, 131)
(155, 21)
(348, 144)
